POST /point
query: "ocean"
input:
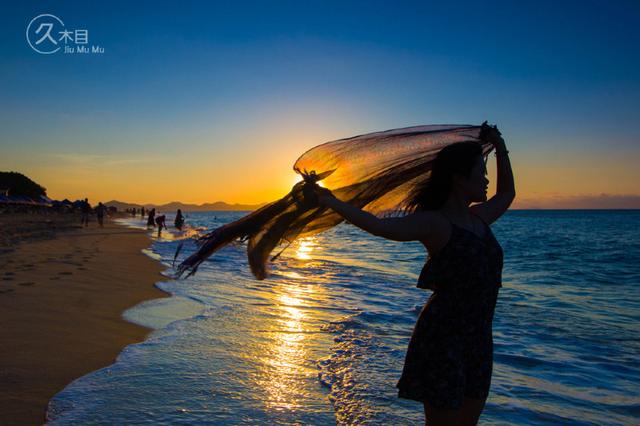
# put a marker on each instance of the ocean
(323, 339)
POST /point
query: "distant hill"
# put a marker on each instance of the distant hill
(18, 184)
(175, 205)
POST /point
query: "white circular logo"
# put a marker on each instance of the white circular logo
(43, 33)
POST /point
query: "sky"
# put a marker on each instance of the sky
(214, 101)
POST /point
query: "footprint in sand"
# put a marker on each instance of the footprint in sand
(65, 273)
(7, 278)
(6, 291)
(54, 278)
(81, 268)
(27, 283)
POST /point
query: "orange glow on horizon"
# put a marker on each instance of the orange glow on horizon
(251, 178)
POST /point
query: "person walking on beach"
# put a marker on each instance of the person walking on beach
(160, 221)
(142, 212)
(449, 360)
(151, 219)
(85, 209)
(100, 210)
(179, 220)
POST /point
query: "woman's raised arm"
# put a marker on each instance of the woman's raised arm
(414, 226)
(497, 205)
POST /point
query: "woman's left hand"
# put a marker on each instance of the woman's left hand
(492, 135)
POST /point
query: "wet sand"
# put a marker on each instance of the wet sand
(62, 292)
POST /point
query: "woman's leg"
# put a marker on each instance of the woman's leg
(435, 416)
(467, 415)
(471, 410)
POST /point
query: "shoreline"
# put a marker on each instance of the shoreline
(61, 303)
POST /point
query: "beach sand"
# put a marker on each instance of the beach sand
(62, 292)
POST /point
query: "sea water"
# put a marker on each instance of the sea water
(322, 340)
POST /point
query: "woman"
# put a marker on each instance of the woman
(151, 219)
(179, 220)
(449, 360)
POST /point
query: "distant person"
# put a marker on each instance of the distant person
(160, 221)
(85, 209)
(134, 212)
(179, 221)
(151, 218)
(142, 212)
(100, 210)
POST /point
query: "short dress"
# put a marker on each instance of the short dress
(450, 354)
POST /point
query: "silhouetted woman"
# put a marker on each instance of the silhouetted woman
(449, 360)
(151, 219)
(179, 220)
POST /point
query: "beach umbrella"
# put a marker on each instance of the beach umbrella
(376, 172)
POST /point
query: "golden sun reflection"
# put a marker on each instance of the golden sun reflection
(305, 247)
(291, 274)
(285, 373)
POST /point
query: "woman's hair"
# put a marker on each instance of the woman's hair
(457, 158)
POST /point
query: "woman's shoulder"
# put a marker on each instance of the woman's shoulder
(436, 219)
(440, 230)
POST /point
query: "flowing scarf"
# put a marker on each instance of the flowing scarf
(375, 172)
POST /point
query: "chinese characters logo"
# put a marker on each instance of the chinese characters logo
(47, 34)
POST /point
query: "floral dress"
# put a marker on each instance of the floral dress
(450, 354)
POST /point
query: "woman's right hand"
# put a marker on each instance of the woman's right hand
(310, 195)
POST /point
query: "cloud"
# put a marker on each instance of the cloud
(594, 201)
(94, 160)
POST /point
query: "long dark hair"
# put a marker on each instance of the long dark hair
(457, 158)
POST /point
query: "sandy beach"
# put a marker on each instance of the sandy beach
(62, 292)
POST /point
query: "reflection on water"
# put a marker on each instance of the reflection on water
(305, 247)
(285, 355)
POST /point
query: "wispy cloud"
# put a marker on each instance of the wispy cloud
(594, 201)
(93, 160)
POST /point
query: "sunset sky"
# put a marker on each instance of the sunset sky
(205, 101)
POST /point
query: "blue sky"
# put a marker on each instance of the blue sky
(207, 80)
